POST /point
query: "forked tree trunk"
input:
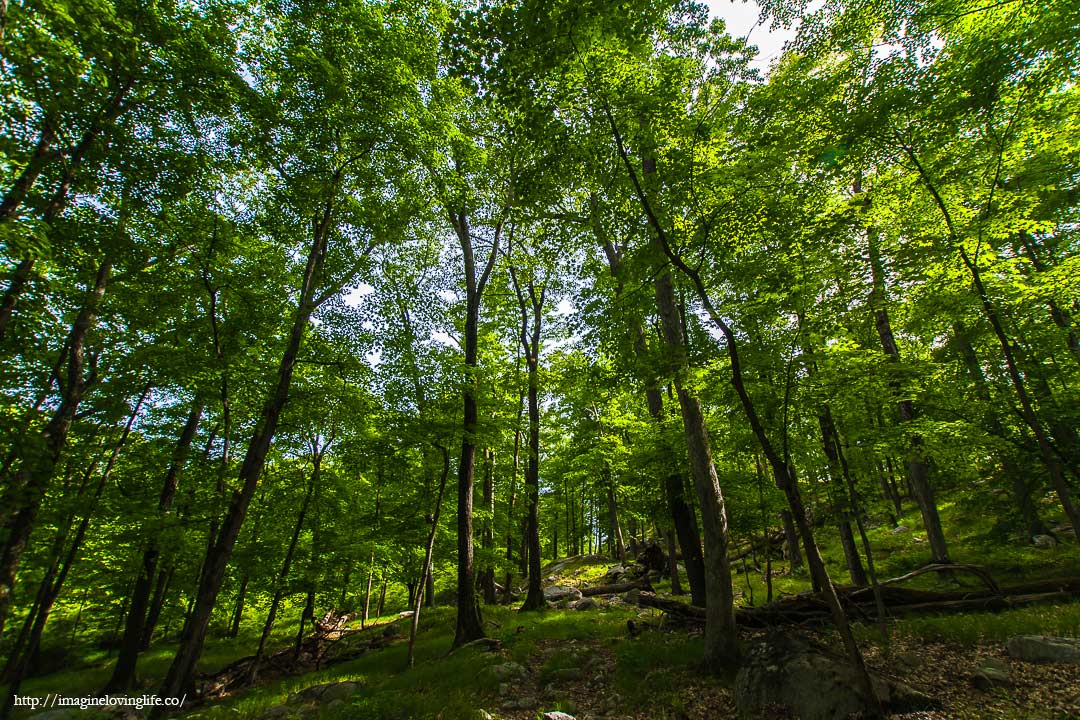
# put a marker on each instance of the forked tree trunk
(530, 343)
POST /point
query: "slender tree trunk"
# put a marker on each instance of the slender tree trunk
(15, 197)
(613, 517)
(157, 604)
(469, 624)
(54, 581)
(487, 537)
(429, 549)
(179, 677)
(530, 343)
(673, 563)
(123, 676)
(918, 471)
(1028, 413)
(682, 516)
(1021, 491)
(29, 484)
(282, 579)
(509, 580)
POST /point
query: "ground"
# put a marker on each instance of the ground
(587, 664)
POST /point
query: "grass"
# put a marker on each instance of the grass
(651, 671)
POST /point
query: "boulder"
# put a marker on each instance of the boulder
(586, 604)
(505, 671)
(525, 702)
(556, 715)
(1039, 648)
(813, 683)
(991, 674)
(557, 593)
(568, 674)
(615, 572)
(630, 597)
(898, 529)
(1043, 542)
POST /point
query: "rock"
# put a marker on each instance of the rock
(278, 712)
(525, 702)
(813, 684)
(630, 597)
(907, 663)
(1044, 542)
(990, 674)
(555, 593)
(615, 571)
(1038, 648)
(898, 529)
(505, 671)
(565, 674)
(325, 693)
(556, 715)
(482, 714)
(586, 604)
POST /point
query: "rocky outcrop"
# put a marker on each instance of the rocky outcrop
(813, 683)
(1039, 648)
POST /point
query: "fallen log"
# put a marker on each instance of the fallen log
(641, 584)
(808, 607)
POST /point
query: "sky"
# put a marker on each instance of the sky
(742, 18)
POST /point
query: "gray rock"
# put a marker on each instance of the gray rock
(586, 604)
(1038, 648)
(813, 684)
(325, 693)
(505, 671)
(556, 715)
(990, 674)
(556, 593)
(630, 597)
(1043, 542)
(898, 529)
(616, 571)
(565, 674)
(525, 702)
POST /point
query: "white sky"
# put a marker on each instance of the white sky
(742, 19)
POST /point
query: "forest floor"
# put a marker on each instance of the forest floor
(589, 665)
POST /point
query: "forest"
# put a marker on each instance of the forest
(539, 358)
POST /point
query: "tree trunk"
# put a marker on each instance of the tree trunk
(487, 537)
(1028, 413)
(469, 624)
(27, 488)
(123, 676)
(918, 471)
(613, 517)
(429, 549)
(54, 581)
(282, 578)
(530, 343)
(179, 677)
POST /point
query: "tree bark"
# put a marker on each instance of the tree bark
(469, 624)
(123, 676)
(179, 677)
(682, 516)
(918, 471)
(282, 578)
(429, 549)
(28, 486)
(530, 343)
